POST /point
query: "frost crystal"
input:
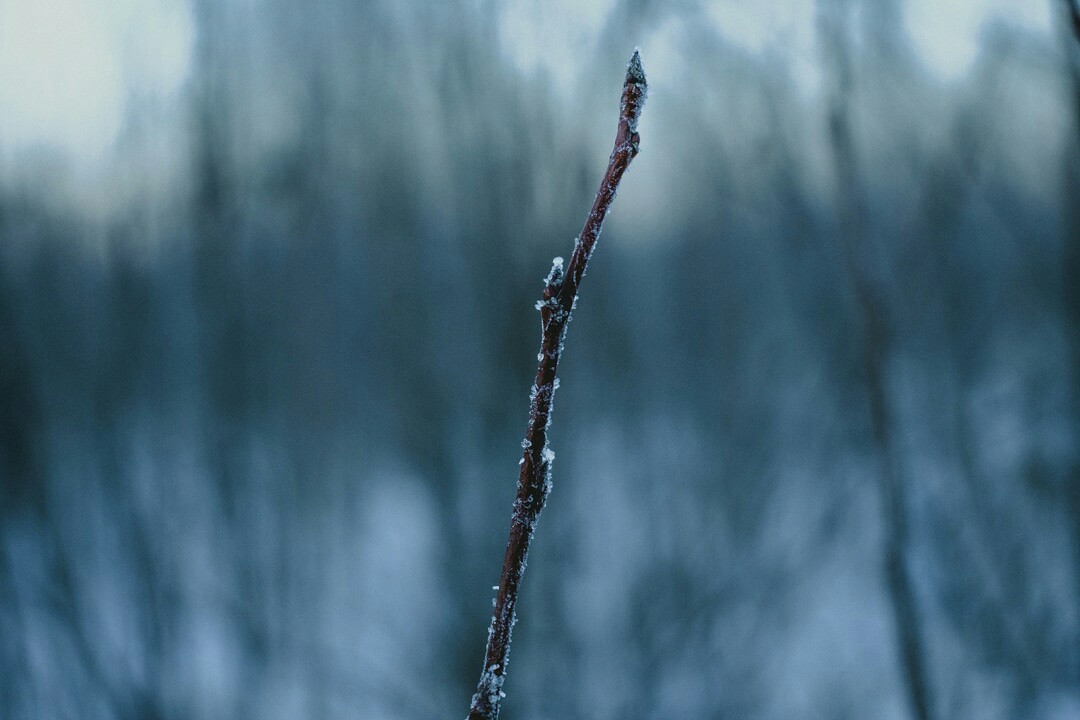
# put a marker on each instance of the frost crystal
(548, 455)
(554, 276)
(490, 687)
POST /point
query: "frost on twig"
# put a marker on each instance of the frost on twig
(534, 481)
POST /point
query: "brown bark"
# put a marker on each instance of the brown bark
(534, 482)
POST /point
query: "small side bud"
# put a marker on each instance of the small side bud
(555, 276)
(552, 285)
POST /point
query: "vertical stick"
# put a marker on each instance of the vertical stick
(534, 482)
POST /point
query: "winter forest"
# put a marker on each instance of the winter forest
(267, 334)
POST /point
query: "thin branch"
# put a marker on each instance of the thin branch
(534, 481)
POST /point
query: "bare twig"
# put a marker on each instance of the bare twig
(534, 482)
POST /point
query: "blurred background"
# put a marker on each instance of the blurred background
(267, 274)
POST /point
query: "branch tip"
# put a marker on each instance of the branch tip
(635, 88)
(635, 73)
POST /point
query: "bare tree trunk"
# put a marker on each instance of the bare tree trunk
(534, 481)
(876, 335)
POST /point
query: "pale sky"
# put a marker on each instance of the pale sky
(68, 68)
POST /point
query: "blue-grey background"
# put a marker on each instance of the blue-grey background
(266, 339)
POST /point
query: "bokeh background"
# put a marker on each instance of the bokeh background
(267, 274)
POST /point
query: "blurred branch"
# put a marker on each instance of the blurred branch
(872, 313)
(1071, 294)
(1073, 8)
(534, 481)
(980, 538)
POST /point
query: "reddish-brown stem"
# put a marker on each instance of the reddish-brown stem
(534, 481)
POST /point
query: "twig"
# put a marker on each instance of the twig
(534, 481)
